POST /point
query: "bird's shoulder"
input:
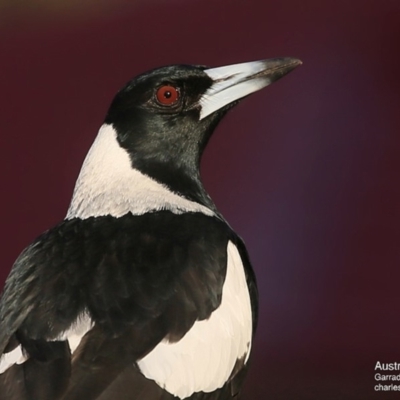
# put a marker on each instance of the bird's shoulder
(133, 281)
(122, 270)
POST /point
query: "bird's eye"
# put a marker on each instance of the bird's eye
(167, 95)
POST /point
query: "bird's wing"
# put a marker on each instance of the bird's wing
(140, 279)
(36, 306)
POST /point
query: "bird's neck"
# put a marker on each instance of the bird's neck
(108, 184)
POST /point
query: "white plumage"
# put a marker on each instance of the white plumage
(109, 185)
(205, 357)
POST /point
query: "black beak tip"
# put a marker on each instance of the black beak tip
(292, 63)
(276, 68)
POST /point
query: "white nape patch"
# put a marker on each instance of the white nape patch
(109, 185)
(204, 358)
(77, 331)
(231, 84)
(15, 356)
(74, 336)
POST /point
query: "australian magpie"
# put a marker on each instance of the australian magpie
(143, 291)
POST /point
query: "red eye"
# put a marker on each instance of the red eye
(167, 95)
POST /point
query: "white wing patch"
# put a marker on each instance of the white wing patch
(109, 185)
(78, 329)
(204, 358)
(13, 357)
(74, 336)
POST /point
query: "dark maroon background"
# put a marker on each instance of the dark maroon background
(307, 171)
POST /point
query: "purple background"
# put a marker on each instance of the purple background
(306, 171)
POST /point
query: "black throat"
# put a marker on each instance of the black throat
(171, 162)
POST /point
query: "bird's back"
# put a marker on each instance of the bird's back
(168, 302)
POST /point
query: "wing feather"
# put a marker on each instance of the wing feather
(140, 279)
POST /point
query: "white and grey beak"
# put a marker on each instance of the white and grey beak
(233, 82)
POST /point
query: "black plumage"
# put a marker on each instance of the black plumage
(144, 277)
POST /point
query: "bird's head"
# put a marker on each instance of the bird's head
(164, 118)
(168, 114)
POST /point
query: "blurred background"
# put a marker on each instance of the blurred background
(306, 171)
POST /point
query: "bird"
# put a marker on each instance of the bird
(143, 291)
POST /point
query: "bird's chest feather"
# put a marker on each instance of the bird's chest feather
(203, 360)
